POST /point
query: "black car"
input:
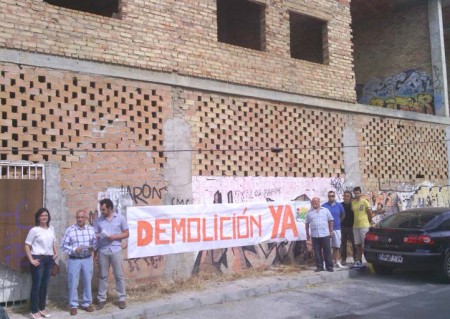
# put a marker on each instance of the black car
(415, 239)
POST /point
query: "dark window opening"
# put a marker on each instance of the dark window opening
(241, 23)
(308, 38)
(107, 8)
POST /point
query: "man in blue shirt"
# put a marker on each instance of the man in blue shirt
(337, 211)
(111, 228)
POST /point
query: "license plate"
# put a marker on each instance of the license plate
(391, 258)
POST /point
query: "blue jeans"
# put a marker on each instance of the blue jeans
(104, 262)
(322, 245)
(86, 268)
(40, 277)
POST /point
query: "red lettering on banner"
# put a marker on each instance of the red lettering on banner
(205, 237)
(190, 238)
(222, 236)
(247, 227)
(257, 223)
(288, 222)
(178, 227)
(144, 233)
(276, 219)
(166, 231)
(215, 227)
(234, 226)
(283, 221)
(160, 230)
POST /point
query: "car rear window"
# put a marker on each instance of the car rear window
(414, 219)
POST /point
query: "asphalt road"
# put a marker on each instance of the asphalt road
(403, 295)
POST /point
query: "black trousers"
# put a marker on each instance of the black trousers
(347, 236)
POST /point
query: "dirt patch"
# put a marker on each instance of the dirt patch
(203, 280)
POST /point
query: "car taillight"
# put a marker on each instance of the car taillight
(418, 239)
(371, 237)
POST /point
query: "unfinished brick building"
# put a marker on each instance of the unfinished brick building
(178, 102)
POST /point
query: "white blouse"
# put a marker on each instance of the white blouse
(41, 240)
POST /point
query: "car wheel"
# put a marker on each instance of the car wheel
(382, 270)
(446, 268)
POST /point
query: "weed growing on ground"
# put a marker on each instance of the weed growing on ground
(201, 281)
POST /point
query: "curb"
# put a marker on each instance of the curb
(278, 284)
(218, 293)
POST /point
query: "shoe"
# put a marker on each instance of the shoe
(89, 308)
(330, 270)
(318, 270)
(122, 305)
(343, 263)
(45, 314)
(339, 265)
(357, 265)
(100, 305)
(36, 315)
(73, 311)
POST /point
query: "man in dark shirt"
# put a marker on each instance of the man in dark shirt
(347, 227)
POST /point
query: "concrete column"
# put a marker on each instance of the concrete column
(351, 155)
(178, 175)
(438, 57)
(177, 170)
(56, 203)
(447, 138)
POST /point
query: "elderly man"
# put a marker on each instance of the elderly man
(79, 242)
(320, 221)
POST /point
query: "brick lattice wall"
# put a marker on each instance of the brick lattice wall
(402, 152)
(235, 136)
(106, 121)
(46, 113)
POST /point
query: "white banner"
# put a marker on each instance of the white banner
(163, 230)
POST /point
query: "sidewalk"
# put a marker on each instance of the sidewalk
(215, 293)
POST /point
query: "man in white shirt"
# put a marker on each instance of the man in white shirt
(79, 242)
(320, 221)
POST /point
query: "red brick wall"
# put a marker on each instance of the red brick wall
(106, 121)
(391, 43)
(181, 36)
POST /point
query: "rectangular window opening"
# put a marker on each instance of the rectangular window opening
(241, 23)
(309, 38)
(106, 8)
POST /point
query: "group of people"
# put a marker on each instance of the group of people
(84, 244)
(331, 226)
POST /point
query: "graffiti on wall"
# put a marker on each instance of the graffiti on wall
(120, 197)
(254, 189)
(439, 102)
(393, 201)
(408, 91)
(128, 196)
(139, 195)
(14, 228)
(210, 189)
